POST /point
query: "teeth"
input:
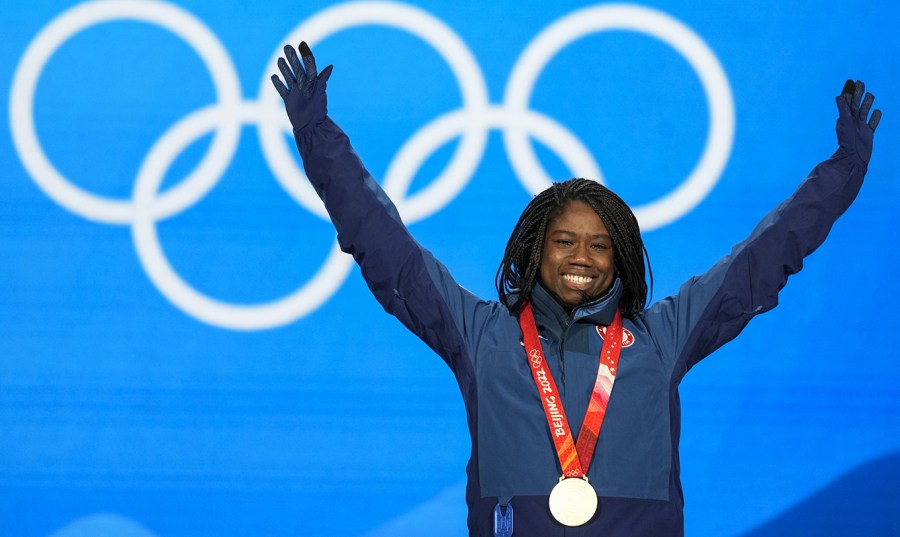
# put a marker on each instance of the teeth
(577, 279)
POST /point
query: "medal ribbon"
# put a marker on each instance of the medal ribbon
(574, 459)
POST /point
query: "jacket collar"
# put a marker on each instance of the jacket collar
(551, 315)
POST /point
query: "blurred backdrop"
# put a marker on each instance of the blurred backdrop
(183, 352)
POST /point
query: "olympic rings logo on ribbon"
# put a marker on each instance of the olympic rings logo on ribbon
(472, 122)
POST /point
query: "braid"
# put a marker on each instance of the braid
(520, 267)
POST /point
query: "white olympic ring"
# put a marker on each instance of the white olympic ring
(400, 173)
(21, 109)
(472, 122)
(656, 24)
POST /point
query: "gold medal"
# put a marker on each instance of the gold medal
(573, 501)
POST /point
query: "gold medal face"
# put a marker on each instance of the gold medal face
(573, 501)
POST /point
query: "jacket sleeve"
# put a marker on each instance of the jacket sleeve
(711, 309)
(405, 278)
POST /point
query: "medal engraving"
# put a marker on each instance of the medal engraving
(573, 501)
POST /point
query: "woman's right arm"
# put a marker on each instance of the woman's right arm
(404, 277)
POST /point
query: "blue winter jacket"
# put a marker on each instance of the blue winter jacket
(635, 469)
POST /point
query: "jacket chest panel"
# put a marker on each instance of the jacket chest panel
(516, 451)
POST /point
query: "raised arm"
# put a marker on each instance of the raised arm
(404, 277)
(711, 309)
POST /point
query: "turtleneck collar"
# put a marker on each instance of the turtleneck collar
(548, 312)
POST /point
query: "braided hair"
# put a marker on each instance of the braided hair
(521, 262)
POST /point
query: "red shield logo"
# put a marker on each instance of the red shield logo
(627, 336)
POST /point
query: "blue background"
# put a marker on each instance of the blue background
(120, 414)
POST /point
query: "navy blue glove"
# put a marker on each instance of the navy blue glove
(304, 96)
(855, 129)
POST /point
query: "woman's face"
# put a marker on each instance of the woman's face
(578, 261)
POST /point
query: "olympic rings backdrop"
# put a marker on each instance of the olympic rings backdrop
(184, 351)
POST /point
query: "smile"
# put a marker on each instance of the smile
(577, 279)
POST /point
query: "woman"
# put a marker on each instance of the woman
(570, 325)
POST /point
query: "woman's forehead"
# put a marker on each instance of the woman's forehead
(577, 216)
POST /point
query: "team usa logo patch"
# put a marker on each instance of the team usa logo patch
(627, 336)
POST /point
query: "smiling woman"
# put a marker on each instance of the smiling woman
(551, 236)
(572, 303)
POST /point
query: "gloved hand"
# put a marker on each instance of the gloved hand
(853, 132)
(304, 96)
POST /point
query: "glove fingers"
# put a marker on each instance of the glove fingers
(866, 106)
(286, 73)
(292, 59)
(876, 118)
(849, 86)
(325, 74)
(308, 60)
(857, 96)
(282, 90)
